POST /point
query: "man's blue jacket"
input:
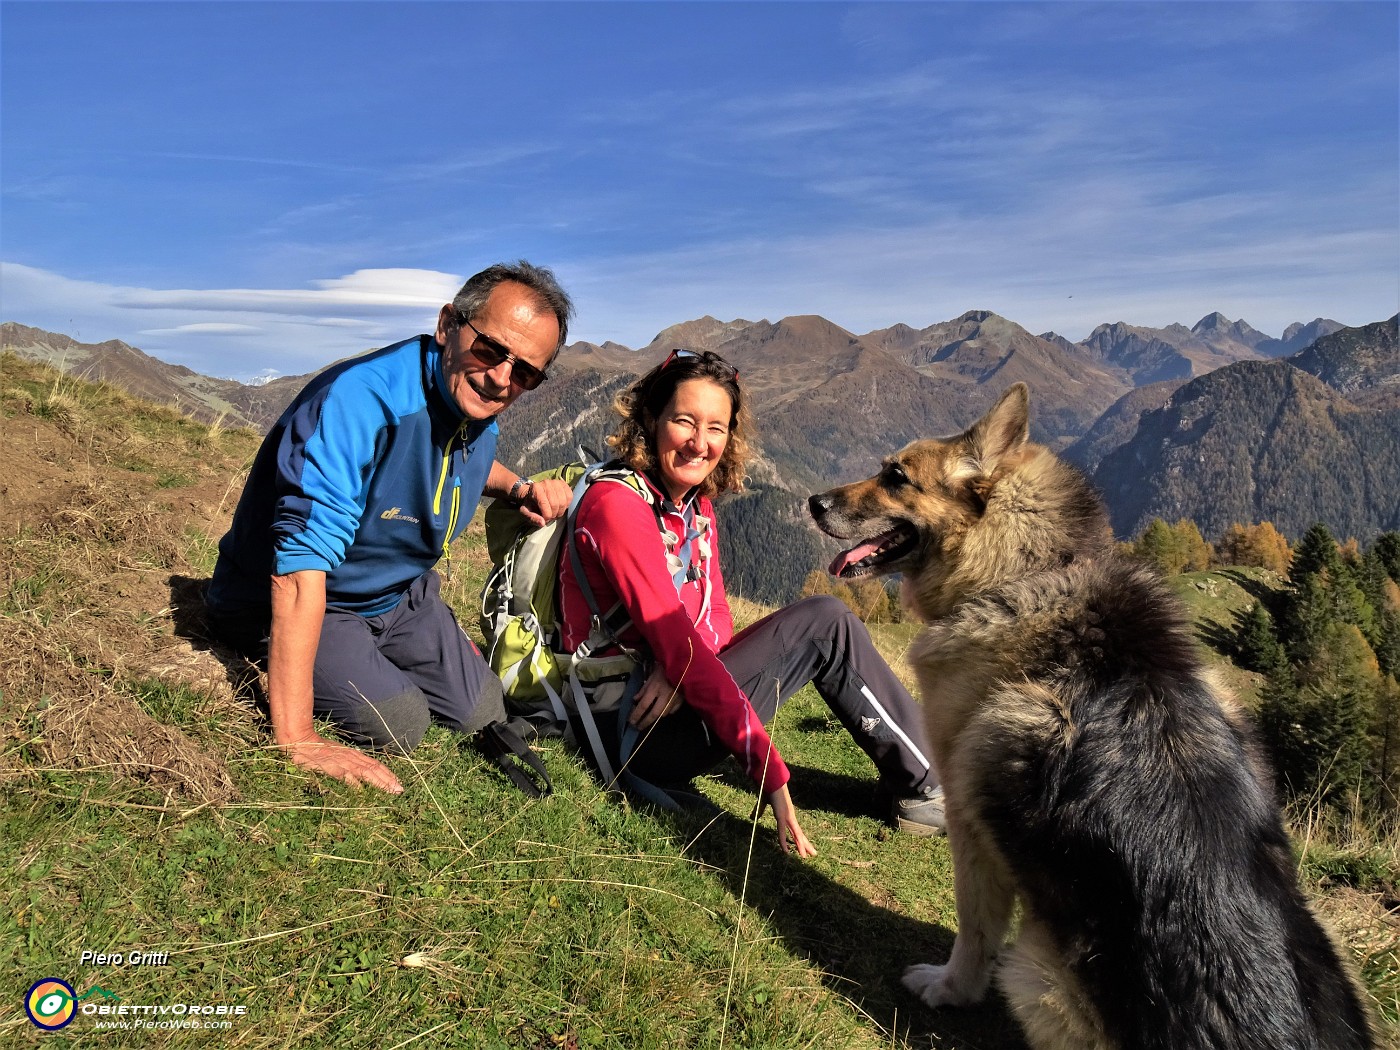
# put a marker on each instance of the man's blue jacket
(368, 476)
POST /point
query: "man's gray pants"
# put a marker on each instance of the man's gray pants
(381, 679)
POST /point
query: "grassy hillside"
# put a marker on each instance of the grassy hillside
(1216, 600)
(144, 811)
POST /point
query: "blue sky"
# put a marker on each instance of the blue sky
(264, 187)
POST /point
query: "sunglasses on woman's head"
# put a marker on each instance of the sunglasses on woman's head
(491, 353)
(709, 357)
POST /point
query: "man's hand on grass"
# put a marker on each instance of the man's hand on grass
(343, 762)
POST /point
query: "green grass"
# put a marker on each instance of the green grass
(460, 913)
(202, 551)
(463, 913)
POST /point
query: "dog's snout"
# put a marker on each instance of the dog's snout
(819, 504)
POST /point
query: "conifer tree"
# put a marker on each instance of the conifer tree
(1316, 552)
(1159, 546)
(1350, 603)
(1256, 644)
(1330, 716)
(1307, 612)
(1323, 589)
(1318, 726)
(1343, 681)
(1375, 585)
(1154, 545)
(1387, 549)
(1386, 731)
(1387, 643)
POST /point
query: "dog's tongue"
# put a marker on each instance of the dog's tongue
(855, 554)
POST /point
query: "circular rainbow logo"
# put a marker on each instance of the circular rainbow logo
(50, 1003)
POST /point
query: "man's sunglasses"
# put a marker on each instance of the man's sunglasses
(491, 353)
(708, 357)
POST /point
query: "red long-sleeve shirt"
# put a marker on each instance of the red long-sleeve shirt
(624, 558)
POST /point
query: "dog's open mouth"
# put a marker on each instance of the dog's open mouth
(873, 554)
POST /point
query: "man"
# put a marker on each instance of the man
(354, 496)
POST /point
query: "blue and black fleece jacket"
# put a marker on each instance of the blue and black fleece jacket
(368, 476)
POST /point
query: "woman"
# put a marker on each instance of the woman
(709, 692)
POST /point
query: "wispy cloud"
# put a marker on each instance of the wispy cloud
(474, 161)
(204, 328)
(237, 332)
(1157, 22)
(360, 291)
(222, 160)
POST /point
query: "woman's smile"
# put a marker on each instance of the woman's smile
(691, 435)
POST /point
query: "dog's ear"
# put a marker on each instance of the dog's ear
(1005, 428)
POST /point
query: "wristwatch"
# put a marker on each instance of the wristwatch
(526, 483)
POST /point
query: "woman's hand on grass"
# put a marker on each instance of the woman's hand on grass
(790, 834)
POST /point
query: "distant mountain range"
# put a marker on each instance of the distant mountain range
(1313, 437)
(1216, 423)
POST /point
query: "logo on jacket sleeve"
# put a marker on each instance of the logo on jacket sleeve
(395, 514)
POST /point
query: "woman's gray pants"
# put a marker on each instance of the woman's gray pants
(817, 640)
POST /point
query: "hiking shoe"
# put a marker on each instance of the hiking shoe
(920, 814)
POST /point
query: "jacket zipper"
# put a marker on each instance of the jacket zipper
(456, 503)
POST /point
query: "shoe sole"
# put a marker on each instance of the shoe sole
(925, 831)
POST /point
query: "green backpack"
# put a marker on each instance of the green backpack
(520, 615)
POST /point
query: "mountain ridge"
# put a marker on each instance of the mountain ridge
(830, 403)
(208, 397)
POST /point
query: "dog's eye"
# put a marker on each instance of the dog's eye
(894, 477)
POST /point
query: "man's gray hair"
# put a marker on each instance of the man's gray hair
(472, 298)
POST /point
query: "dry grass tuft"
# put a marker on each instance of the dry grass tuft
(92, 513)
(1371, 931)
(71, 716)
(113, 734)
(17, 400)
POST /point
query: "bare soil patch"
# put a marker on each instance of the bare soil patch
(106, 505)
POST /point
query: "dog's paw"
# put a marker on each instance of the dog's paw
(938, 986)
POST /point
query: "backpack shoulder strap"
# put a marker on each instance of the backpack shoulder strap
(618, 473)
(596, 472)
(686, 570)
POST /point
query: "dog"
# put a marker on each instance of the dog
(1094, 769)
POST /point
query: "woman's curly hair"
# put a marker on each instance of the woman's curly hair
(642, 404)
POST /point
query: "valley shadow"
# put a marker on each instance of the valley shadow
(860, 947)
(1270, 597)
(187, 611)
(1222, 639)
